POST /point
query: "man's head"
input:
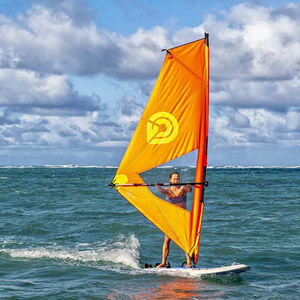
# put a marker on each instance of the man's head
(174, 177)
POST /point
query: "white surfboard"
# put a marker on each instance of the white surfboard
(198, 271)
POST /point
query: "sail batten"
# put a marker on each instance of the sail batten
(174, 123)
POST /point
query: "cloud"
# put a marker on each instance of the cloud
(50, 131)
(275, 95)
(249, 127)
(9, 116)
(255, 56)
(250, 43)
(255, 76)
(79, 11)
(95, 129)
(254, 87)
(36, 93)
(57, 38)
(131, 110)
(47, 41)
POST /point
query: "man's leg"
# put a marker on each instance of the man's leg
(188, 261)
(165, 252)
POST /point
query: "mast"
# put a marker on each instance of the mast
(200, 173)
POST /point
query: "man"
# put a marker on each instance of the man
(176, 194)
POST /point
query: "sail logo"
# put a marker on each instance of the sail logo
(120, 179)
(162, 128)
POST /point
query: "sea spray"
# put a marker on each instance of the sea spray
(122, 250)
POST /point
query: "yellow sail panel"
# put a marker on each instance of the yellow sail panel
(170, 219)
(171, 126)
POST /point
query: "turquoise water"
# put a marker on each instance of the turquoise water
(64, 234)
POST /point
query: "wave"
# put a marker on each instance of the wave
(55, 166)
(78, 166)
(253, 167)
(232, 167)
(160, 167)
(122, 251)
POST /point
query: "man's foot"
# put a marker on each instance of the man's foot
(161, 265)
(186, 264)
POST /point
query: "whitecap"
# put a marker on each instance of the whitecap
(124, 250)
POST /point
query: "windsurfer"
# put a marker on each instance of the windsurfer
(177, 196)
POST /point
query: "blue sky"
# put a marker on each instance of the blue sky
(75, 76)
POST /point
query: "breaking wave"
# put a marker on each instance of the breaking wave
(123, 251)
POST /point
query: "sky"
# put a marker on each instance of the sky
(75, 76)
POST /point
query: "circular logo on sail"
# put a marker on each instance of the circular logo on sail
(162, 128)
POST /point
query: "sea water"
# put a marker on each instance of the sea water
(65, 234)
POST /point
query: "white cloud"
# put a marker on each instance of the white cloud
(32, 92)
(293, 120)
(48, 40)
(248, 127)
(255, 56)
(86, 131)
(272, 94)
(142, 52)
(24, 87)
(254, 90)
(251, 43)
(130, 110)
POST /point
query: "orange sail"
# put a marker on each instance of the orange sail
(174, 122)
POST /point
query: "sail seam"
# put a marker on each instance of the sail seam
(188, 69)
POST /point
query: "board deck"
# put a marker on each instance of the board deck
(199, 271)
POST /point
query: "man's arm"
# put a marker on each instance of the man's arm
(188, 188)
(162, 190)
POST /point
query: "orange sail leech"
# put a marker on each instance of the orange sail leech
(174, 123)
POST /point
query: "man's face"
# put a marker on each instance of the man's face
(175, 178)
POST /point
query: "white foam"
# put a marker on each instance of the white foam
(161, 167)
(55, 166)
(253, 167)
(124, 251)
(166, 167)
(77, 166)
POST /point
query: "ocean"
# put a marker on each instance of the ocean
(65, 234)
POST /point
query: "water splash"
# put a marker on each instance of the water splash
(122, 250)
